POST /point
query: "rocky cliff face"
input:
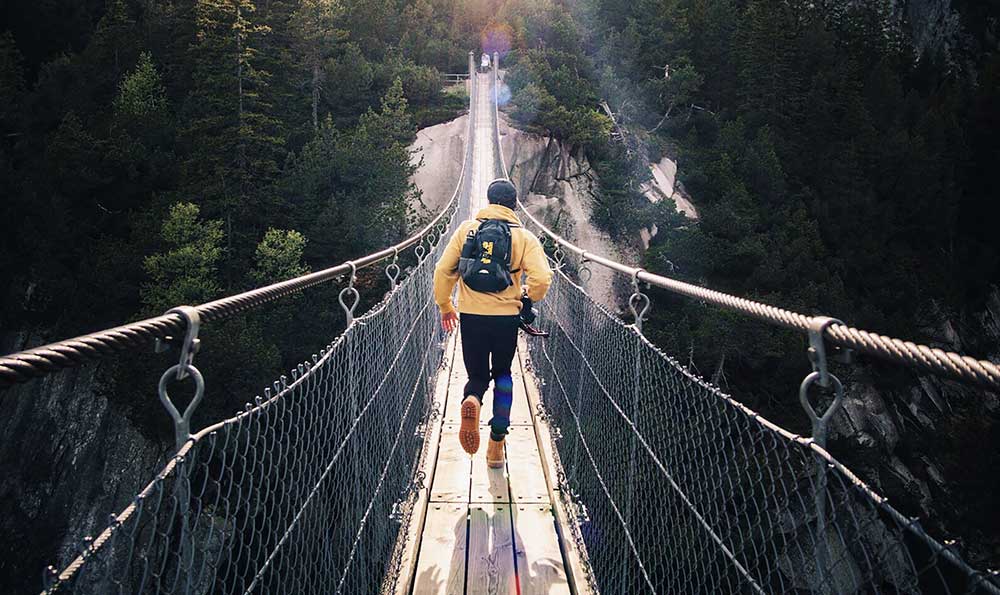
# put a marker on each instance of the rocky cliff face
(934, 26)
(68, 459)
(931, 445)
(557, 188)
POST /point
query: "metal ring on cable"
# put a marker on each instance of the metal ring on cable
(638, 297)
(181, 370)
(349, 290)
(419, 251)
(584, 274)
(820, 375)
(392, 269)
(819, 422)
(182, 423)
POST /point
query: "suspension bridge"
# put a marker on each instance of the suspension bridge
(626, 472)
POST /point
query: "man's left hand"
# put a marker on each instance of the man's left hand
(449, 321)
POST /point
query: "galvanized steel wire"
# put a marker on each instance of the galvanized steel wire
(310, 489)
(40, 361)
(675, 486)
(983, 373)
(678, 488)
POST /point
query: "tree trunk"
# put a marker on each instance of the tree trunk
(315, 93)
(665, 117)
(241, 146)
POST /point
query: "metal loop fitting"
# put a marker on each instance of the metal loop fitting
(419, 251)
(638, 297)
(584, 273)
(350, 290)
(182, 423)
(392, 269)
(821, 375)
(179, 371)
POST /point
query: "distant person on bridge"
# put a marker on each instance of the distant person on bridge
(484, 64)
(487, 257)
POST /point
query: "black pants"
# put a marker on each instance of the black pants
(488, 345)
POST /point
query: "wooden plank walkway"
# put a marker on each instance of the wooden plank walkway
(488, 531)
(476, 530)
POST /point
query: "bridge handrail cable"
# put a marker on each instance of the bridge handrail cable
(983, 373)
(40, 361)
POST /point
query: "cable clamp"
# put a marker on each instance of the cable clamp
(350, 291)
(822, 376)
(184, 368)
(638, 302)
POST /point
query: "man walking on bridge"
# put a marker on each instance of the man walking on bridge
(487, 257)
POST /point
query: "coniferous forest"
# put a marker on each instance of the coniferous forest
(841, 155)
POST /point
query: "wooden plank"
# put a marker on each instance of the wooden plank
(488, 485)
(520, 411)
(451, 476)
(453, 412)
(573, 554)
(428, 463)
(441, 566)
(524, 467)
(491, 551)
(540, 568)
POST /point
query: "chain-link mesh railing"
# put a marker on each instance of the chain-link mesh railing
(681, 489)
(309, 489)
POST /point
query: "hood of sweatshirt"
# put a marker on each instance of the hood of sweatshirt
(498, 212)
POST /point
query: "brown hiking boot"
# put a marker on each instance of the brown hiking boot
(468, 432)
(494, 454)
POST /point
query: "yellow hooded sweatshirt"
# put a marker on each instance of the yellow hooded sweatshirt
(526, 257)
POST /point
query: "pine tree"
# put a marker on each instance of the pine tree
(186, 271)
(316, 42)
(235, 142)
(141, 94)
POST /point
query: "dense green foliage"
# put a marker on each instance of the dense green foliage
(160, 153)
(841, 164)
(830, 162)
(554, 90)
(836, 168)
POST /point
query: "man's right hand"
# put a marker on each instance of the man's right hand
(449, 321)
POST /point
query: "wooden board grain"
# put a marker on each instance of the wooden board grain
(491, 551)
(520, 412)
(451, 476)
(410, 546)
(574, 554)
(488, 485)
(540, 568)
(524, 467)
(441, 562)
(456, 385)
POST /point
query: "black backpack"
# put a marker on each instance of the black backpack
(485, 261)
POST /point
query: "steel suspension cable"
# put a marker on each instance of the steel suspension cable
(983, 373)
(43, 360)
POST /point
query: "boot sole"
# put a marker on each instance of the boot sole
(468, 432)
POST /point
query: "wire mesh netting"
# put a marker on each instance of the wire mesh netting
(311, 488)
(680, 489)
